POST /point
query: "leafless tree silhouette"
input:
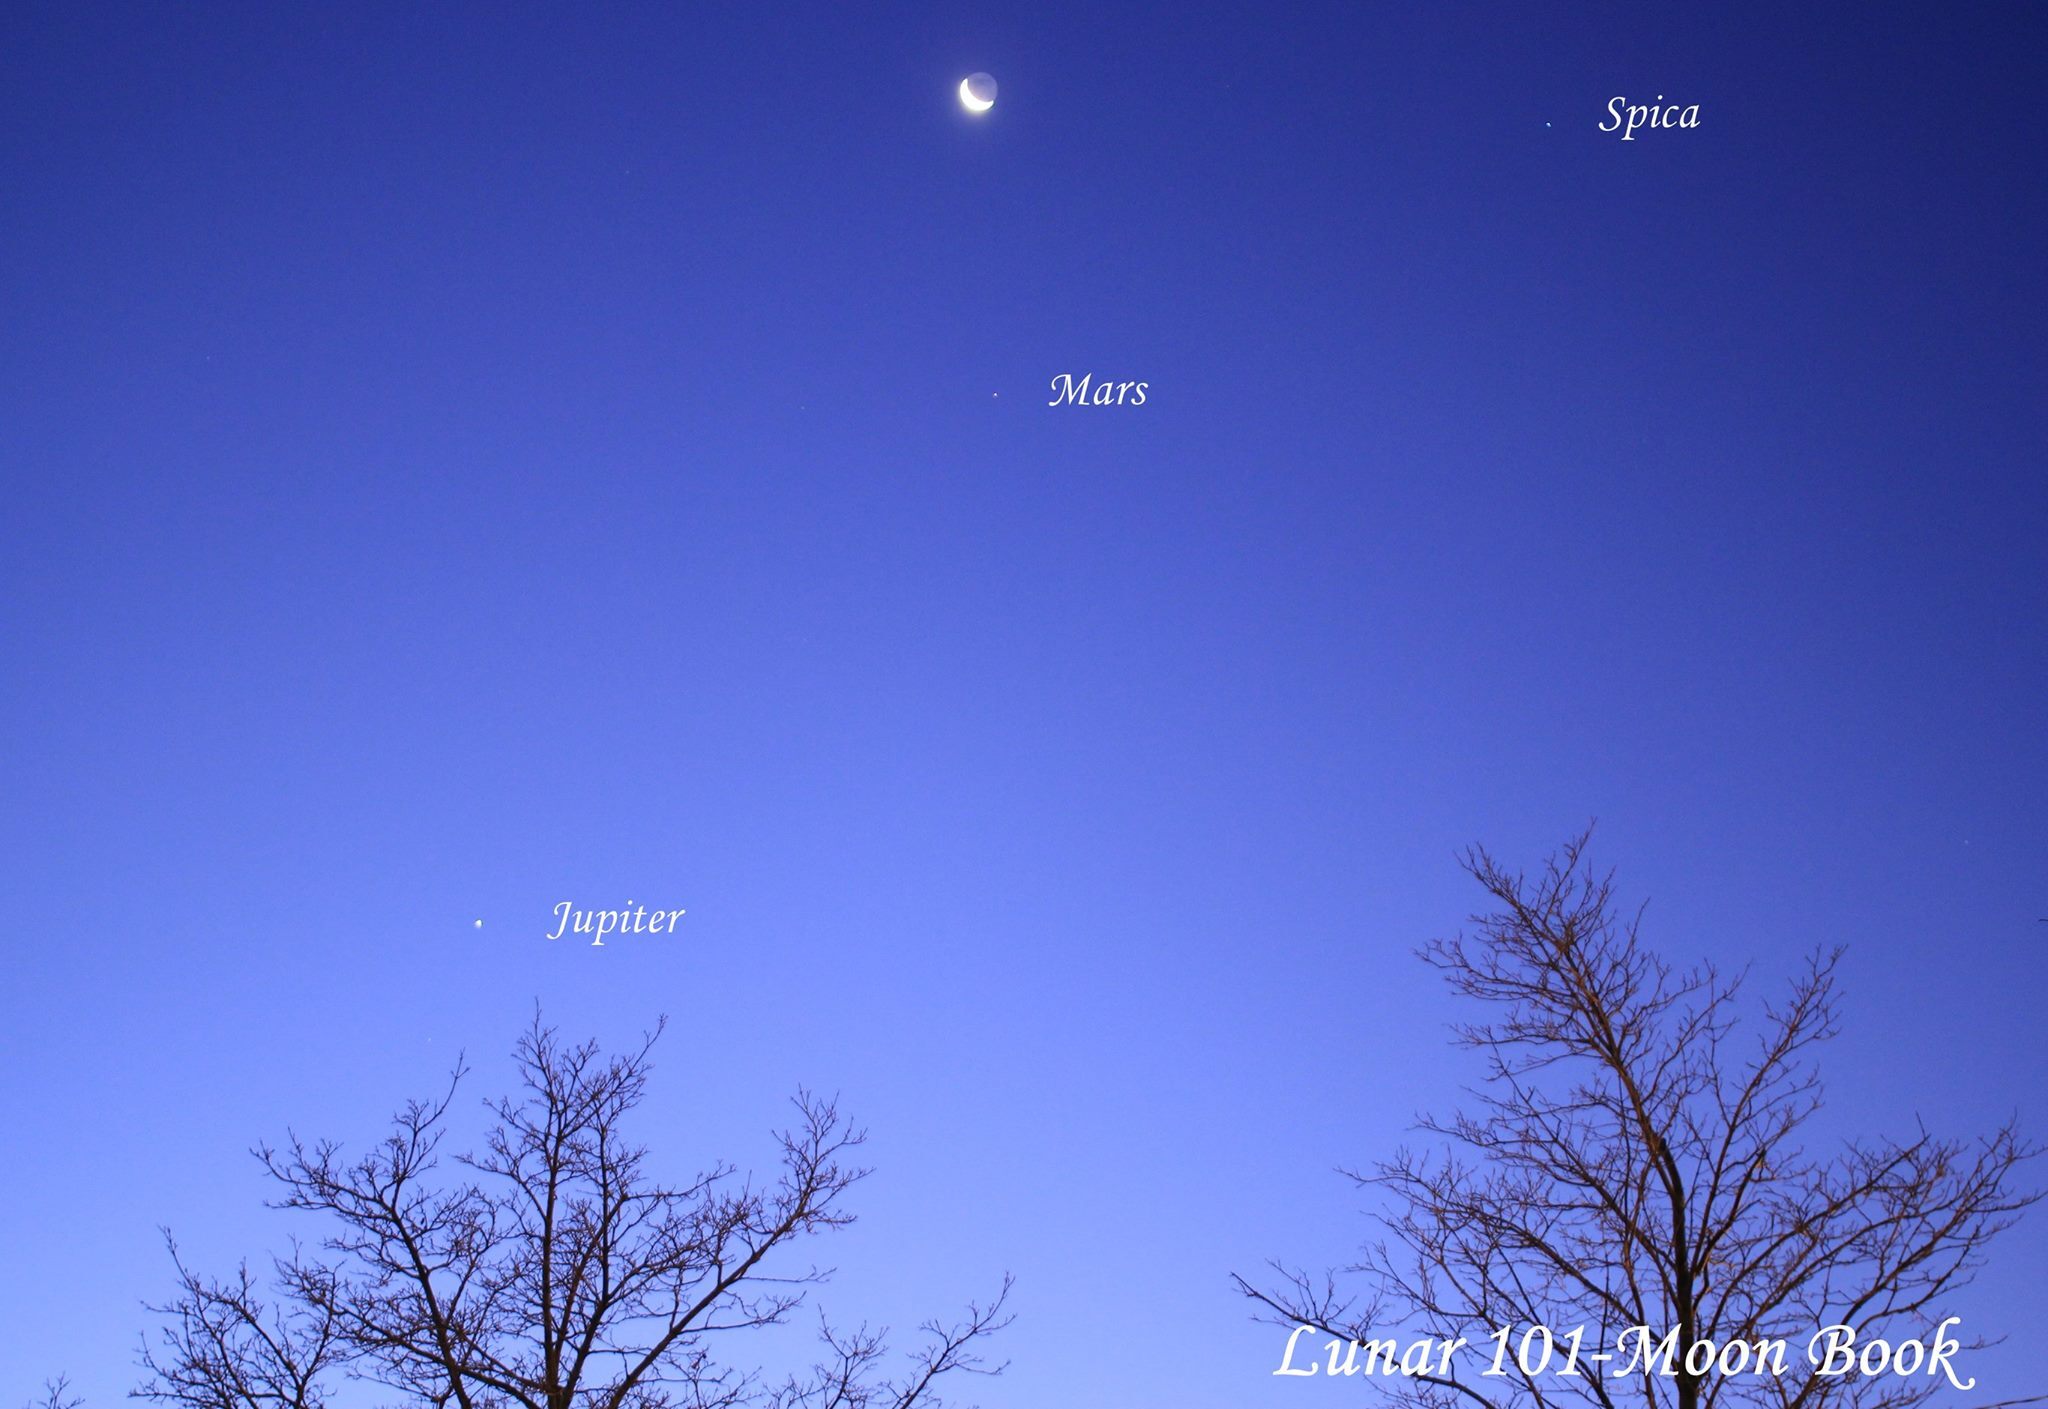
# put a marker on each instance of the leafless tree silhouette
(547, 1269)
(1636, 1158)
(56, 1395)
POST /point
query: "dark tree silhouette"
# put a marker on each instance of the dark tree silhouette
(56, 1395)
(547, 1269)
(1638, 1158)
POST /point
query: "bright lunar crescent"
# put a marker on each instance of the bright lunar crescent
(977, 92)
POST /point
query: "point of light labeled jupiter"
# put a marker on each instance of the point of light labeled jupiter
(977, 92)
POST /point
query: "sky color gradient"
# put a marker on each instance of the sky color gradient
(462, 458)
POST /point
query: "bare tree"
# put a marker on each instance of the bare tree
(1637, 1158)
(224, 1347)
(57, 1395)
(547, 1269)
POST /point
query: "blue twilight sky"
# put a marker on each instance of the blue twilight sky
(461, 458)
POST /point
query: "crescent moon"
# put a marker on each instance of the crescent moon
(972, 103)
